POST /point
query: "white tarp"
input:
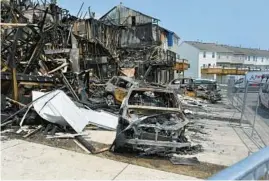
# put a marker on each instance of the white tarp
(57, 107)
(101, 119)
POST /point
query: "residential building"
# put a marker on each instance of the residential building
(216, 61)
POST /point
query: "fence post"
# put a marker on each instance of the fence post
(256, 111)
(244, 102)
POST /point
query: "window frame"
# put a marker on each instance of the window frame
(204, 54)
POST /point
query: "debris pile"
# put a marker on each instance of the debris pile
(54, 72)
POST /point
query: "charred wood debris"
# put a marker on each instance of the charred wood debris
(47, 50)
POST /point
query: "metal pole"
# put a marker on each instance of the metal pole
(244, 103)
(257, 105)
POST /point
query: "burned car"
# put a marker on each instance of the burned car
(151, 122)
(205, 88)
(117, 88)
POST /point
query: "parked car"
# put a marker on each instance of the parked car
(240, 86)
(151, 121)
(179, 84)
(264, 94)
(117, 88)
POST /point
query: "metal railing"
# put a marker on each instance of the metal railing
(254, 167)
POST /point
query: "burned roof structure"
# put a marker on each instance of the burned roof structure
(44, 39)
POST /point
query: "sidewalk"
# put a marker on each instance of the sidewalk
(25, 160)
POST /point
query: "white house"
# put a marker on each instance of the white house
(201, 55)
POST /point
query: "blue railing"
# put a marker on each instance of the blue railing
(254, 167)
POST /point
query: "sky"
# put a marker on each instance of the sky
(242, 23)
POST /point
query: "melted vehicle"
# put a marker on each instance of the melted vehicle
(207, 89)
(117, 88)
(151, 122)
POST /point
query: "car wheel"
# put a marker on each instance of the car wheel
(110, 100)
(120, 139)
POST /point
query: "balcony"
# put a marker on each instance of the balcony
(224, 70)
(181, 64)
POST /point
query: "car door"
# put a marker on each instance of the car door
(265, 95)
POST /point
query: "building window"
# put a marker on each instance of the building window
(219, 56)
(262, 59)
(213, 54)
(254, 59)
(248, 58)
(133, 21)
(227, 56)
(204, 55)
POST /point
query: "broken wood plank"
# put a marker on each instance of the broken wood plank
(15, 102)
(81, 146)
(63, 136)
(17, 24)
(85, 144)
(32, 132)
(102, 150)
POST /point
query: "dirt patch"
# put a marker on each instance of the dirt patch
(202, 170)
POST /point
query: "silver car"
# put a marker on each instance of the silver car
(264, 94)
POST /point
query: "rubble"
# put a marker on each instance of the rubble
(62, 73)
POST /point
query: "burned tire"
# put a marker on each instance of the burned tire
(119, 141)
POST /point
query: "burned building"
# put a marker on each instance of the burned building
(43, 39)
(143, 43)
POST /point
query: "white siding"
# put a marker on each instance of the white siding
(224, 57)
(190, 53)
(208, 59)
(249, 60)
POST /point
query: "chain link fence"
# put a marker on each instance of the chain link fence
(248, 98)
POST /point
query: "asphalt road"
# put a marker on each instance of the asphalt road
(251, 103)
